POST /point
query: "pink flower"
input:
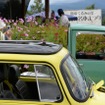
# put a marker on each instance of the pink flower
(26, 35)
(21, 20)
(12, 21)
(26, 66)
(36, 23)
(5, 20)
(9, 21)
(19, 28)
(29, 19)
(16, 21)
(66, 30)
(55, 18)
(15, 24)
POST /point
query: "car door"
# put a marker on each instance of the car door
(37, 84)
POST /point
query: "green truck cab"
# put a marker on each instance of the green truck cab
(87, 44)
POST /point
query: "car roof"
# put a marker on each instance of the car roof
(29, 47)
(87, 27)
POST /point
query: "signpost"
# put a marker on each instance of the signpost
(86, 16)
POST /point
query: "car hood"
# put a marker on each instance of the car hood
(98, 94)
(98, 98)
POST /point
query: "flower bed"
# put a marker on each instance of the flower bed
(31, 30)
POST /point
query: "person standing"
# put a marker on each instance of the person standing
(64, 21)
(53, 15)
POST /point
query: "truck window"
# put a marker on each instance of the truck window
(90, 45)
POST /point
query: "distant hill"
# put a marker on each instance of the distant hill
(79, 5)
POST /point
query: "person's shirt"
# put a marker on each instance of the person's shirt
(2, 36)
(64, 21)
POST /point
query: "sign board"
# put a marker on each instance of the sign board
(86, 16)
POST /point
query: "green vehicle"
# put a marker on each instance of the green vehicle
(87, 44)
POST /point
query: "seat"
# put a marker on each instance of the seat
(19, 86)
(5, 92)
(1, 73)
(13, 76)
(24, 89)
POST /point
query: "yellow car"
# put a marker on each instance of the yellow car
(44, 73)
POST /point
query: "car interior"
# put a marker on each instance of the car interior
(14, 86)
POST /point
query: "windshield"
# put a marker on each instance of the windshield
(75, 79)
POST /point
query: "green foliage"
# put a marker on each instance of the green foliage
(36, 7)
(90, 43)
(50, 32)
(91, 6)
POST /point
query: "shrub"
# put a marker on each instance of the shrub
(50, 31)
(90, 43)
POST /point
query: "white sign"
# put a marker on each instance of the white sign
(86, 16)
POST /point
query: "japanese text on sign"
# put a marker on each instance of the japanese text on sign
(86, 16)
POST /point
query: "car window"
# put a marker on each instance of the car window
(90, 45)
(28, 82)
(75, 80)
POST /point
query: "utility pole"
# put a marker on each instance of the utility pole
(10, 5)
(47, 9)
(23, 8)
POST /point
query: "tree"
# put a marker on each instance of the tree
(12, 9)
(103, 21)
(91, 6)
(36, 7)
